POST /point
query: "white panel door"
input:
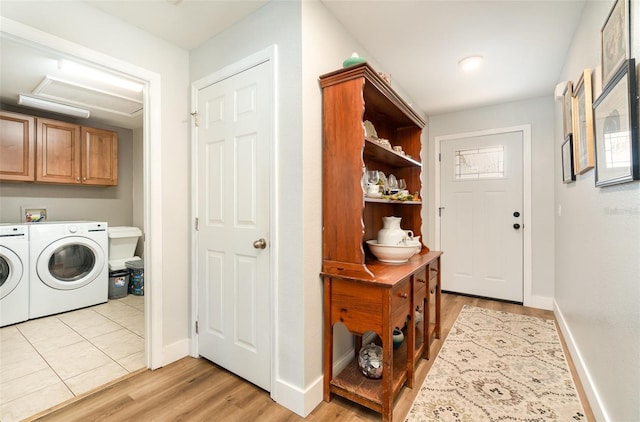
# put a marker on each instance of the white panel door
(481, 216)
(233, 159)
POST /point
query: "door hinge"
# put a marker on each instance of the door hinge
(196, 120)
(196, 327)
(440, 211)
(439, 157)
(197, 224)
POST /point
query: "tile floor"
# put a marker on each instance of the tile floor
(46, 361)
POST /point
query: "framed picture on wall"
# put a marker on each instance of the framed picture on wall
(614, 38)
(568, 174)
(583, 144)
(566, 109)
(616, 129)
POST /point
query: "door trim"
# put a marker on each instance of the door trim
(152, 164)
(267, 55)
(528, 298)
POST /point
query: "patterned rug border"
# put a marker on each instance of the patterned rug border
(523, 375)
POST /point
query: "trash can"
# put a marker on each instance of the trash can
(118, 284)
(136, 276)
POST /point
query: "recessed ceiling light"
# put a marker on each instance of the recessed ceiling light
(471, 63)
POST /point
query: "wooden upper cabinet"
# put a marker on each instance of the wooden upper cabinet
(17, 147)
(58, 152)
(51, 151)
(99, 157)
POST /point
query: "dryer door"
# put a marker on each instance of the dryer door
(11, 270)
(70, 263)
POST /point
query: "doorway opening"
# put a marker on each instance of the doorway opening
(150, 159)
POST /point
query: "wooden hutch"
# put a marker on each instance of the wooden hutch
(359, 291)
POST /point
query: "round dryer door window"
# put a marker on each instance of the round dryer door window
(70, 263)
(10, 271)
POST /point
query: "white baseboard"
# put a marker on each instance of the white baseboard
(297, 400)
(583, 372)
(340, 363)
(175, 351)
(301, 401)
(540, 302)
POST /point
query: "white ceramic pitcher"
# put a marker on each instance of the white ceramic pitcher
(391, 232)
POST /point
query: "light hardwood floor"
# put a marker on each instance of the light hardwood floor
(197, 390)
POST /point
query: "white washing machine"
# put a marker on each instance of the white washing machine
(14, 273)
(68, 268)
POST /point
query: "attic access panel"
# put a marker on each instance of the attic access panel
(89, 97)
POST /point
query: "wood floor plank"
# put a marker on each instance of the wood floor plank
(198, 390)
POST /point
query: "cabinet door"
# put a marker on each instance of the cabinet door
(17, 147)
(58, 152)
(99, 157)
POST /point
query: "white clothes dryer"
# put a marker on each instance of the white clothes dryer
(68, 268)
(14, 273)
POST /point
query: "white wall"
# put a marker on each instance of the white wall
(86, 26)
(325, 46)
(138, 186)
(310, 42)
(597, 288)
(326, 43)
(538, 112)
(278, 22)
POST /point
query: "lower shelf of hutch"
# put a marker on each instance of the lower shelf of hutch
(353, 385)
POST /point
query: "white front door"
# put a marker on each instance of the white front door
(234, 135)
(481, 215)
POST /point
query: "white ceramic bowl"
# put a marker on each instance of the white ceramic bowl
(394, 254)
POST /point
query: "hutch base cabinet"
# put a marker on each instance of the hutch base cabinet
(379, 306)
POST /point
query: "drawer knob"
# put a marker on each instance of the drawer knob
(404, 295)
(421, 281)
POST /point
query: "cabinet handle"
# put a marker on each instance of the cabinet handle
(404, 295)
(84, 179)
(78, 179)
(421, 281)
(435, 270)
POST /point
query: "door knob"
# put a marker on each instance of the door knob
(260, 244)
(515, 226)
(516, 214)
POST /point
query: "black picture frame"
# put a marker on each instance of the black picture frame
(616, 128)
(568, 173)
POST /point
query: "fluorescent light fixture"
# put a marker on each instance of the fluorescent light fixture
(43, 104)
(100, 76)
(471, 63)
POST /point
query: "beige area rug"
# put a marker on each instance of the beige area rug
(498, 366)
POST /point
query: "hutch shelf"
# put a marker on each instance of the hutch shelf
(366, 295)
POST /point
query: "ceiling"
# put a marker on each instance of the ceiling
(418, 42)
